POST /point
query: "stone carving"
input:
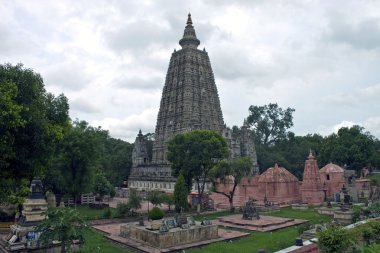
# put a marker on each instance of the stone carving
(206, 223)
(170, 223)
(250, 211)
(164, 228)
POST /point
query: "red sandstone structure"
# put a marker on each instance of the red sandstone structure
(332, 178)
(279, 186)
(312, 191)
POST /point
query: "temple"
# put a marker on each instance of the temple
(189, 101)
(312, 190)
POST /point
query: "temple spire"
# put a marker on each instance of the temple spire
(189, 21)
(189, 39)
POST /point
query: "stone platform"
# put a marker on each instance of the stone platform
(112, 232)
(264, 224)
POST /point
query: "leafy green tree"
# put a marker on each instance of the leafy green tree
(102, 186)
(270, 122)
(168, 200)
(180, 194)
(351, 147)
(334, 239)
(149, 139)
(62, 224)
(236, 168)
(155, 197)
(32, 121)
(134, 200)
(116, 161)
(77, 158)
(196, 153)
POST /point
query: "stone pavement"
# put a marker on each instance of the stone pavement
(264, 224)
(112, 232)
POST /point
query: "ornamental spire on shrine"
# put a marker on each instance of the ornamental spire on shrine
(189, 39)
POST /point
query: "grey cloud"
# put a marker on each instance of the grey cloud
(365, 35)
(84, 106)
(139, 83)
(70, 76)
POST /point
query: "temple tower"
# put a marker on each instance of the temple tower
(189, 98)
(312, 190)
(140, 151)
(189, 101)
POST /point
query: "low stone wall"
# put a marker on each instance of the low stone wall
(326, 210)
(300, 206)
(344, 217)
(175, 236)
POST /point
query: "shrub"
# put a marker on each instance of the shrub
(156, 213)
(122, 209)
(335, 239)
(107, 213)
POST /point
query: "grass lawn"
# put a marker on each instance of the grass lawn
(310, 214)
(96, 242)
(91, 213)
(270, 241)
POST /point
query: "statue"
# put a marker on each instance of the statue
(250, 210)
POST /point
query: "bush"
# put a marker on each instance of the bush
(156, 213)
(335, 239)
(107, 213)
(122, 209)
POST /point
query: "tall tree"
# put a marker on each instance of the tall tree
(270, 122)
(231, 170)
(180, 194)
(196, 153)
(32, 122)
(78, 157)
(352, 147)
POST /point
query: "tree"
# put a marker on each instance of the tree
(231, 170)
(168, 199)
(32, 121)
(155, 197)
(334, 239)
(270, 122)
(195, 153)
(180, 194)
(102, 186)
(77, 158)
(62, 224)
(134, 200)
(351, 147)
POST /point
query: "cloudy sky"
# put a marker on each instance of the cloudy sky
(110, 58)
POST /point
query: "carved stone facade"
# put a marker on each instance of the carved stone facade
(189, 101)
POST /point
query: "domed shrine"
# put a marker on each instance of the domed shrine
(277, 184)
(332, 178)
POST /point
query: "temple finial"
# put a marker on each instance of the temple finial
(189, 21)
(310, 154)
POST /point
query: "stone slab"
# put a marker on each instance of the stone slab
(264, 224)
(112, 232)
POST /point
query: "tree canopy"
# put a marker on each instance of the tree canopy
(270, 122)
(195, 153)
(237, 168)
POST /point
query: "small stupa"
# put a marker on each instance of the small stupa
(23, 234)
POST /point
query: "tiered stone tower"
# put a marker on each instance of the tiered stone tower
(189, 101)
(312, 190)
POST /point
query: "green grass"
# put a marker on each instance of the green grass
(96, 242)
(310, 214)
(270, 241)
(91, 213)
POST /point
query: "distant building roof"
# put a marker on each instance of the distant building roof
(277, 174)
(331, 168)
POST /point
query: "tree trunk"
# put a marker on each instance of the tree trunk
(231, 199)
(63, 247)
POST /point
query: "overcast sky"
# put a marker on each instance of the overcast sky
(110, 58)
